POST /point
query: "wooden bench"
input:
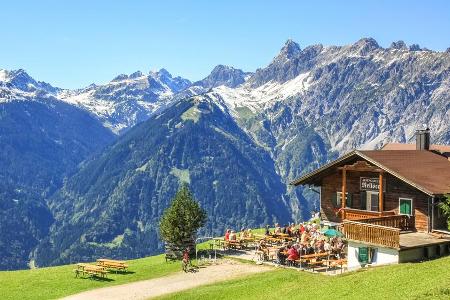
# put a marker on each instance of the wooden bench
(233, 245)
(308, 258)
(90, 270)
(112, 264)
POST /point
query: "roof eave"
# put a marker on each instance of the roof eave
(302, 180)
(309, 175)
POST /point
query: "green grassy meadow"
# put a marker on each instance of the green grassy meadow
(427, 280)
(55, 282)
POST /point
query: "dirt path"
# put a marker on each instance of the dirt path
(145, 289)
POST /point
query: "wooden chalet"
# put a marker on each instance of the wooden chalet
(391, 198)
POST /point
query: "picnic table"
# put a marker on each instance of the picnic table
(112, 264)
(311, 259)
(235, 244)
(91, 270)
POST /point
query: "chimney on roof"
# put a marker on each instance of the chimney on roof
(423, 139)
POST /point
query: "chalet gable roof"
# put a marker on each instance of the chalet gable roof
(425, 170)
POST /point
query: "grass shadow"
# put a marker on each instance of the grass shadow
(96, 278)
(122, 272)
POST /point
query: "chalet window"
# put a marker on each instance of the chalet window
(337, 201)
(369, 200)
(405, 206)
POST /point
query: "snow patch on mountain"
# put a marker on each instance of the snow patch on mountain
(3, 75)
(263, 96)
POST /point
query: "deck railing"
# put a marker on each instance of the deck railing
(373, 234)
(402, 222)
(356, 214)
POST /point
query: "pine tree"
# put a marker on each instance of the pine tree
(181, 220)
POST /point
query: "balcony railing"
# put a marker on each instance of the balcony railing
(356, 214)
(402, 222)
(374, 234)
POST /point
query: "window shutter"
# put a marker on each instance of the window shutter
(363, 203)
(375, 202)
(334, 200)
(402, 207)
(349, 200)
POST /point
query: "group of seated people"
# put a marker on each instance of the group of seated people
(292, 230)
(230, 235)
(306, 239)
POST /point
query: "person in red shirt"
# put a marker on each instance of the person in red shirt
(186, 261)
(302, 228)
(227, 235)
(293, 254)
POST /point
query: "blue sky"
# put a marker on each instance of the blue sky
(71, 45)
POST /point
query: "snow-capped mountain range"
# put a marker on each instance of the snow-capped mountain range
(303, 109)
(321, 78)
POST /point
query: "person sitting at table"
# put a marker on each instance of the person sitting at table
(243, 233)
(320, 246)
(309, 249)
(267, 230)
(281, 256)
(304, 238)
(250, 233)
(326, 246)
(284, 230)
(262, 250)
(233, 236)
(302, 249)
(277, 228)
(291, 230)
(227, 235)
(261, 245)
(302, 228)
(293, 254)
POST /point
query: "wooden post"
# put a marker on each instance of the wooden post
(380, 194)
(344, 189)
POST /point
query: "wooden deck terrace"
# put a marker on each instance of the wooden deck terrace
(410, 240)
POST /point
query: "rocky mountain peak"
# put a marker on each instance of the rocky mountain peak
(120, 77)
(21, 80)
(290, 49)
(399, 45)
(164, 73)
(223, 75)
(136, 74)
(365, 45)
(414, 47)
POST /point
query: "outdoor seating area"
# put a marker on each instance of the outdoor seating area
(244, 240)
(100, 269)
(304, 246)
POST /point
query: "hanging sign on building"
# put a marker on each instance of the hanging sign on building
(371, 184)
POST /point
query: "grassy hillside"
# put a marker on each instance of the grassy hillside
(428, 280)
(55, 282)
(405, 281)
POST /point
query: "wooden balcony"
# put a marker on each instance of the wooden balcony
(356, 214)
(402, 222)
(372, 234)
